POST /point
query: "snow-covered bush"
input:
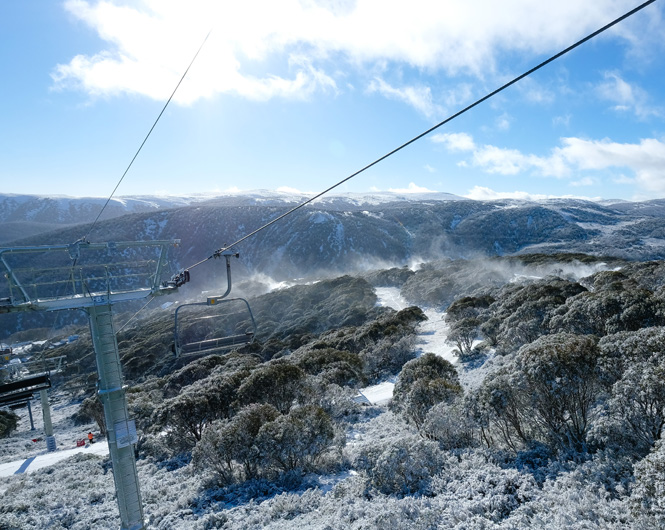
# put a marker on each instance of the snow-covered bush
(296, 441)
(229, 448)
(452, 425)
(633, 417)
(278, 383)
(402, 466)
(422, 383)
(386, 357)
(648, 496)
(546, 394)
(92, 408)
(342, 368)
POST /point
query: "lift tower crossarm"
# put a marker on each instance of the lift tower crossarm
(81, 293)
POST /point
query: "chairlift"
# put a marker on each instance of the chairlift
(204, 328)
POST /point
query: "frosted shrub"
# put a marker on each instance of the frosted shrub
(648, 498)
(296, 441)
(546, 395)
(279, 384)
(402, 466)
(8, 423)
(230, 445)
(336, 401)
(634, 415)
(185, 416)
(387, 356)
(92, 408)
(451, 425)
(476, 485)
(422, 383)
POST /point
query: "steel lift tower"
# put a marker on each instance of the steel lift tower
(92, 277)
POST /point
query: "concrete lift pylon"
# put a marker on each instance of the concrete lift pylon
(37, 278)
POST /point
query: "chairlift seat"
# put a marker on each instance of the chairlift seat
(185, 347)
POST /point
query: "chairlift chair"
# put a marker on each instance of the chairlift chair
(188, 337)
(192, 343)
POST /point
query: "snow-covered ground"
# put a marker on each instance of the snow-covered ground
(45, 459)
(20, 454)
(431, 337)
(432, 333)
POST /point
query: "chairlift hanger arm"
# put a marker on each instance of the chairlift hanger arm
(184, 276)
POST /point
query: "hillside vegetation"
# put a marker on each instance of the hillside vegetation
(553, 417)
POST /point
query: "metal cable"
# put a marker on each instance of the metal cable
(147, 135)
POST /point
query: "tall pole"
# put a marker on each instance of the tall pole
(48, 426)
(120, 430)
(32, 423)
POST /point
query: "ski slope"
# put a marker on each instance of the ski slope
(431, 337)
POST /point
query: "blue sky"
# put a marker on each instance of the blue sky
(298, 94)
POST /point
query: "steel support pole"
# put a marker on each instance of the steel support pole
(120, 430)
(46, 417)
(32, 423)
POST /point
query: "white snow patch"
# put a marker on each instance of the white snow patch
(431, 338)
(380, 394)
(432, 333)
(48, 459)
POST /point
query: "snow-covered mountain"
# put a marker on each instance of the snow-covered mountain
(345, 233)
(23, 216)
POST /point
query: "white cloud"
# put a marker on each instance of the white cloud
(149, 43)
(561, 120)
(430, 168)
(412, 188)
(503, 122)
(480, 193)
(455, 141)
(512, 162)
(645, 159)
(626, 97)
(585, 181)
(420, 98)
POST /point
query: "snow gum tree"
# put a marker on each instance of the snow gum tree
(185, 416)
(452, 425)
(560, 374)
(297, 440)
(464, 318)
(422, 383)
(231, 444)
(523, 310)
(546, 394)
(8, 423)
(93, 408)
(618, 306)
(648, 496)
(279, 383)
(403, 466)
(634, 415)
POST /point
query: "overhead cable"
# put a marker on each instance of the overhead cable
(147, 135)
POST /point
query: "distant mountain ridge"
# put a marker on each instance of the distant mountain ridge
(346, 233)
(22, 216)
